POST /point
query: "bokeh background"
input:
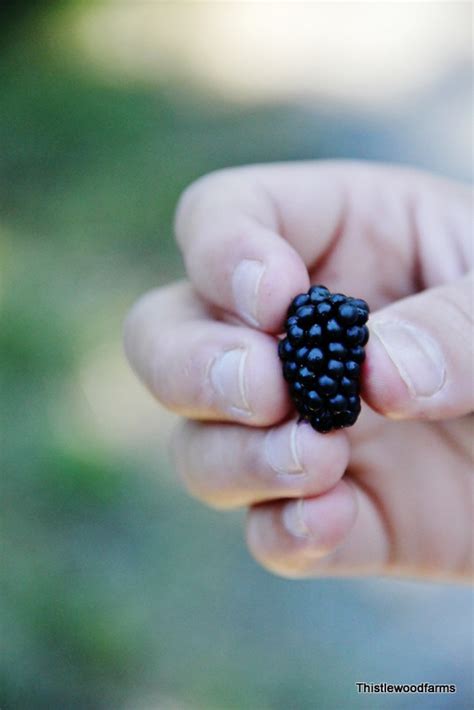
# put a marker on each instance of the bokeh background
(117, 590)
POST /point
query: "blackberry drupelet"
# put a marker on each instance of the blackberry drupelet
(322, 354)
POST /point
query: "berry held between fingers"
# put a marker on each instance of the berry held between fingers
(322, 355)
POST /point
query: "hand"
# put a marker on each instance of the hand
(391, 495)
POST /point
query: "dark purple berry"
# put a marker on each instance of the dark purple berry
(301, 353)
(322, 354)
(322, 421)
(344, 419)
(354, 403)
(337, 351)
(362, 310)
(305, 315)
(352, 369)
(360, 305)
(305, 376)
(297, 390)
(338, 403)
(298, 301)
(348, 386)
(347, 314)
(314, 401)
(334, 330)
(285, 349)
(353, 335)
(292, 320)
(315, 334)
(335, 368)
(297, 387)
(365, 337)
(357, 353)
(290, 370)
(318, 293)
(323, 311)
(296, 335)
(315, 358)
(327, 385)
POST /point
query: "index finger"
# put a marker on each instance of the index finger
(228, 230)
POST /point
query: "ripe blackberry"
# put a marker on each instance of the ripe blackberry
(322, 353)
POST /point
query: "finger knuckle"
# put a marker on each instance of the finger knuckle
(193, 196)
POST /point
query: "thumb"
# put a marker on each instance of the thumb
(419, 360)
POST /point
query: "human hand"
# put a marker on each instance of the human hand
(393, 494)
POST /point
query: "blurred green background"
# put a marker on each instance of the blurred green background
(117, 591)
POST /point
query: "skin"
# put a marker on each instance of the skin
(391, 495)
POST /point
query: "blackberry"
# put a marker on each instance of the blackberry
(322, 354)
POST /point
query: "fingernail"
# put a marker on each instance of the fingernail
(416, 355)
(281, 450)
(245, 282)
(227, 375)
(294, 520)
